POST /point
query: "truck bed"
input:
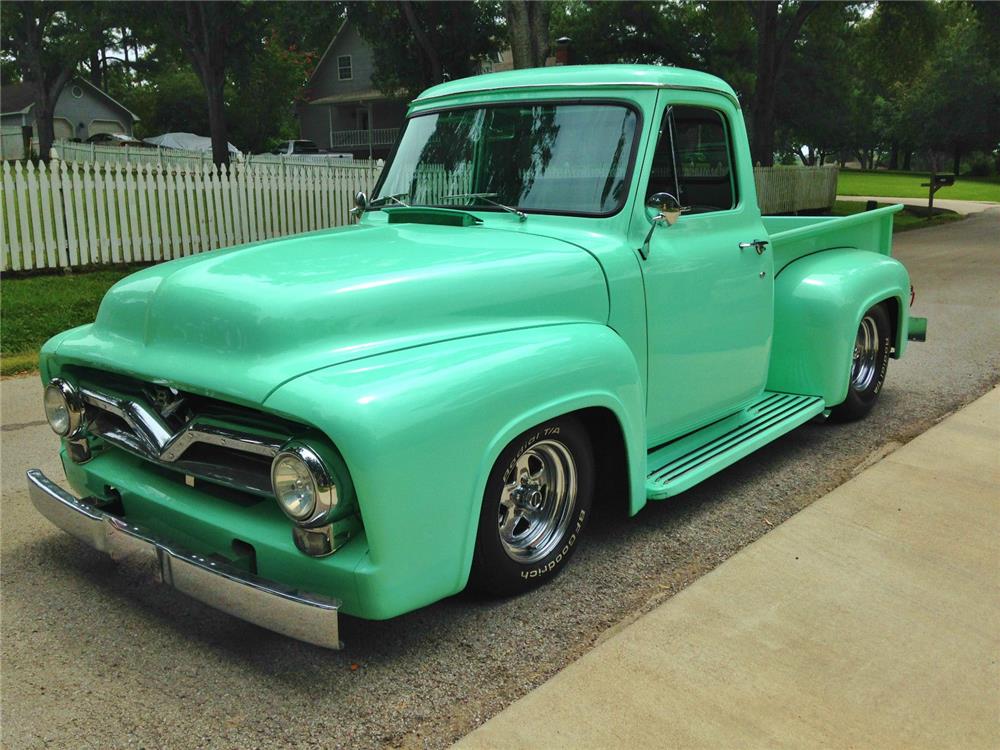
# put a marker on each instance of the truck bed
(793, 237)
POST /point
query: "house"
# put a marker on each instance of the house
(82, 110)
(342, 110)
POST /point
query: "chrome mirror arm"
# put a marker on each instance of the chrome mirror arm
(656, 221)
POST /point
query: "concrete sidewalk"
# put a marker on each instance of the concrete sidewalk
(869, 620)
(961, 207)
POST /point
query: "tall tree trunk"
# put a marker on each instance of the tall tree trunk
(46, 83)
(894, 156)
(528, 27)
(205, 46)
(433, 61)
(45, 130)
(907, 159)
(46, 95)
(773, 47)
(217, 120)
(957, 161)
(95, 68)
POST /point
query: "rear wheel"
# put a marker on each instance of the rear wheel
(535, 506)
(869, 362)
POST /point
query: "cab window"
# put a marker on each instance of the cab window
(693, 160)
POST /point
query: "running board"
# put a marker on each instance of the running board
(693, 458)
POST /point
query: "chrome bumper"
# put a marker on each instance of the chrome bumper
(306, 617)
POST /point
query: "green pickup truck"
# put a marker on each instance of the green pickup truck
(560, 293)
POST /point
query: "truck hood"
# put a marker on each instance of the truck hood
(237, 323)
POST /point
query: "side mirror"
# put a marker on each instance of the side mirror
(661, 208)
(360, 203)
(665, 206)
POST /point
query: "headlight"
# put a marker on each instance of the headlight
(63, 408)
(303, 486)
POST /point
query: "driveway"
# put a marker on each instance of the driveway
(92, 657)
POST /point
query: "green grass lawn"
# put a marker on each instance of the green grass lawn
(34, 308)
(908, 218)
(907, 185)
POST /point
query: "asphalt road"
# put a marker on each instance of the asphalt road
(93, 657)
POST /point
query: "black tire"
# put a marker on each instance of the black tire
(553, 513)
(868, 366)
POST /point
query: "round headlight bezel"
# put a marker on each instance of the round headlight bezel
(72, 402)
(324, 486)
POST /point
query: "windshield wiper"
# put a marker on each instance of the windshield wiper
(488, 197)
(394, 198)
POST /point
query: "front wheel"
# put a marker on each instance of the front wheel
(536, 504)
(869, 362)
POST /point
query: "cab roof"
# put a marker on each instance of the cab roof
(581, 76)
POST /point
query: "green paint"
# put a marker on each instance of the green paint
(422, 340)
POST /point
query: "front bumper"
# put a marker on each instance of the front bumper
(307, 617)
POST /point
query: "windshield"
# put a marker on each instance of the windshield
(553, 158)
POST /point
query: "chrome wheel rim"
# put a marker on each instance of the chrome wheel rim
(864, 363)
(537, 501)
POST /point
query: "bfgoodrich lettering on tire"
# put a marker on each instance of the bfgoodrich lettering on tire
(535, 507)
(869, 362)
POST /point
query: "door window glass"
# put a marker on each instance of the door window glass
(693, 160)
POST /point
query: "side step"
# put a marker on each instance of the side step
(693, 458)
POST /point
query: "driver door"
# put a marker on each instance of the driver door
(709, 302)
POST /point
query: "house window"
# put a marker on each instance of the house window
(344, 72)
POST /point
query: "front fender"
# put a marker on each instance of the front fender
(421, 428)
(819, 301)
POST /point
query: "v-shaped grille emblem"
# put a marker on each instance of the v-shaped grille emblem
(151, 436)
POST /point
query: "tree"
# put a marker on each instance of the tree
(778, 25)
(953, 106)
(48, 40)
(169, 100)
(815, 106)
(208, 27)
(453, 40)
(264, 91)
(215, 38)
(893, 47)
(528, 32)
(625, 32)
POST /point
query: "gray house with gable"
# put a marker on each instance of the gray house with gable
(82, 110)
(343, 111)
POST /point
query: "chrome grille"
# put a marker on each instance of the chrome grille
(206, 446)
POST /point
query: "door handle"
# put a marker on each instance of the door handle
(759, 245)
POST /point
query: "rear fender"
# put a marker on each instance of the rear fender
(421, 428)
(819, 302)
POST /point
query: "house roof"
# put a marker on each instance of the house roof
(575, 76)
(15, 98)
(326, 52)
(351, 96)
(18, 98)
(108, 96)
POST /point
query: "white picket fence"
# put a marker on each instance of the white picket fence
(71, 214)
(173, 157)
(782, 190)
